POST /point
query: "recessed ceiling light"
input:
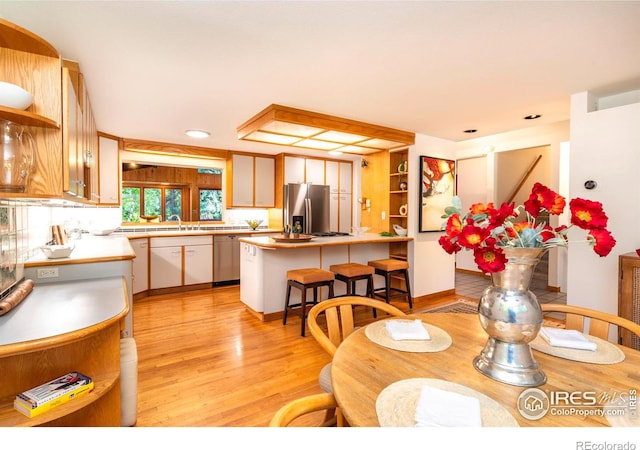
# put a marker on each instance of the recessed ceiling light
(197, 134)
(470, 131)
(532, 116)
(334, 152)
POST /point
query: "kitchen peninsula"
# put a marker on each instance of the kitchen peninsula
(264, 263)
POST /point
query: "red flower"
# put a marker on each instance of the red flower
(547, 233)
(542, 197)
(604, 241)
(481, 208)
(472, 236)
(454, 225)
(448, 245)
(489, 259)
(486, 230)
(587, 214)
(498, 216)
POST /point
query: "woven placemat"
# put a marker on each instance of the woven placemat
(607, 353)
(396, 404)
(440, 339)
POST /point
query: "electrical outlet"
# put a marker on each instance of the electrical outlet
(48, 272)
(384, 215)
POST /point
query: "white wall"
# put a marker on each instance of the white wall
(433, 270)
(553, 135)
(604, 148)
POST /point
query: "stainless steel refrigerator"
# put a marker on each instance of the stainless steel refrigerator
(307, 204)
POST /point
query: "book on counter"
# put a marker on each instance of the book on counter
(53, 393)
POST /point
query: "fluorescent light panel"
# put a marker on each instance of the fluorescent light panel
(294, 127)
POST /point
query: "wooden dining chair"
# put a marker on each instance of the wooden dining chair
(340, 323)
(599, 322)
(306, 405)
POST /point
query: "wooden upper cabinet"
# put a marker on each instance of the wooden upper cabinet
(72, 159)
(250, 181)
(33, 64)
(60, 119)
(79, 138)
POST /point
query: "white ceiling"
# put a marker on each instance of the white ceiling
(155, 69)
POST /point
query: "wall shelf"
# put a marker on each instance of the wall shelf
(27, 118)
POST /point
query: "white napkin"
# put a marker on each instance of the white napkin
(559, 337)
(400, 330)
(439, 408)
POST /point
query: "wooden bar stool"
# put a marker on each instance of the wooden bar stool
(388, 268)
(304, 279)
(349, 273)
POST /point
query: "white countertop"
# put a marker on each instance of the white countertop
(90, 249)
(55, 309)
(323, 241)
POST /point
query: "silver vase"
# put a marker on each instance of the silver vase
(510, 314)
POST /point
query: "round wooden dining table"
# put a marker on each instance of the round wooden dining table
(576, 391)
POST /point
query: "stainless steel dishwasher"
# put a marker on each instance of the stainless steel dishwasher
(226, 259)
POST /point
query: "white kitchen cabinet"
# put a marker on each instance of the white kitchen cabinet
(242, 181)
(253, 181)
(109, 169)
(181, 261)
(198, 264)
(140, 270)
(166, 267)
(340, 206)
(339, 176)
(265, 179)
(346, 169)
(332, 176)
(344, 215)
(314, 171)
(294, 168)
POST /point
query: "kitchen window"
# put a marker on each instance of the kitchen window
(152, 200)
(211, 204)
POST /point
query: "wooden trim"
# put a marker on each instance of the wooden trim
(325, 121)
(162, 148)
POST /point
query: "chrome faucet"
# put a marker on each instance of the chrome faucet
(179, 220)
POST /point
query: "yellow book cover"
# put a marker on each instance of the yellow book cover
(26, 409)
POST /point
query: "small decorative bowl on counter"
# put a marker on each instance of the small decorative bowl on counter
(254, 224)
(102, 231)
(57, 251)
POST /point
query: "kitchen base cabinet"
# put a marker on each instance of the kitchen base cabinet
(165, 267)
(198, 264)
(177, 262)
(140, 275)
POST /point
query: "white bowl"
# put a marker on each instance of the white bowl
(13, 96)
(102, 231)
(359, 231)
(57, 251)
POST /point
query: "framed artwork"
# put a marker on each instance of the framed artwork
(437, 188)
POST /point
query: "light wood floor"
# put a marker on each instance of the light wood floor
(204, 361)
